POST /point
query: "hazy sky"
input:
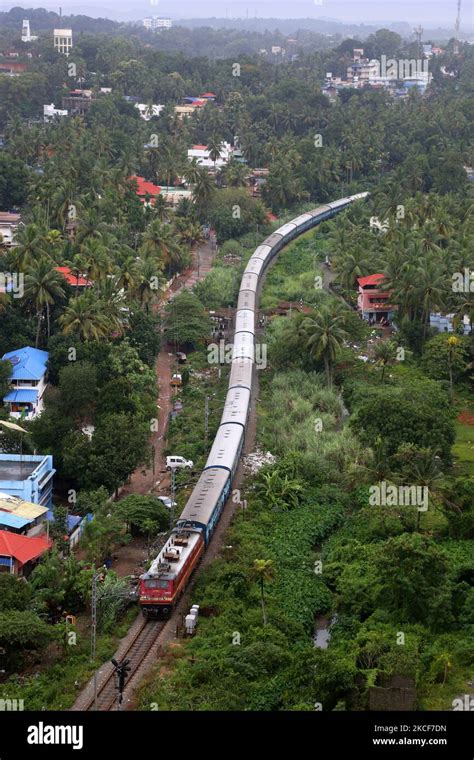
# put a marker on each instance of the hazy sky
(431, 13)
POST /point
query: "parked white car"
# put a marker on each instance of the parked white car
(178, 463)
(167, 502)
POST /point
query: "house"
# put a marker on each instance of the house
(182, 112)
(445, 323)
(9, 224)
(78, 102)
(20, 554)
(203, 158)
(50, 113)
(148, 110)
(373, 301)
(146, 191)
(13, 68)
(22, 517)
(153, 22)
(29, 477)
(28, 382)
(62, 40)
(75, 281)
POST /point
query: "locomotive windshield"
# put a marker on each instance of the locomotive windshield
(156, 584)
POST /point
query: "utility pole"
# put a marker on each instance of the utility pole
(206, 419)
(94, 631)
(173, 496)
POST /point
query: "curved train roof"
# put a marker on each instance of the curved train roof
(249, 282)
(241, 373)
(245, 321)
(201, 503)
(247, 300)
(226, 446)
(243, 346)
(236, 407)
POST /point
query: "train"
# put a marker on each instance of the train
(163, 583)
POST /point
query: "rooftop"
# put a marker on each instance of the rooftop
(22, 548)
(371, 279)
(144, 187)
(15, 470)
(72, 279)
(28, 363)
(16, 506)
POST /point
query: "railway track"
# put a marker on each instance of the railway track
(136, 651)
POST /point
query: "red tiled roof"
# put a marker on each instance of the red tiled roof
(199, 147)
(23, 548)
(372, 279)
(208, 95)
(70, 277)
(144, 187)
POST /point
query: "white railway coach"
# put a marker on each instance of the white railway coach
(247, 300)
(243, 346)
(236, 407)
(241, 373)
(225, 450)
(245, 321)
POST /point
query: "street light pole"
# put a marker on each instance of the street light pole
(94, 631)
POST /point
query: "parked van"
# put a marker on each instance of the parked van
(176, 463)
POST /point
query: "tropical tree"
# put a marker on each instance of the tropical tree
(325, 334)
(264, 572)
(86, 318)
(385, 353)
(43, 287)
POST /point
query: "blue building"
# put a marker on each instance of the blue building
(28, 382)
(28, 476)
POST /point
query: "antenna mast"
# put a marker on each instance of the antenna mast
(456, 29)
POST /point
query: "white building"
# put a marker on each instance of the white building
(201, 154)
(445, 323)
(50, 113)
(26, 35)
(153, 22)
(63, 40)
(8, 226)
(147, 110)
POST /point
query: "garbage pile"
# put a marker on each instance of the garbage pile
(256, 460)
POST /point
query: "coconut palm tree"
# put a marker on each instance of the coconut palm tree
(264, 572)
(192, 171)
(147, 289)
(325, 334)
(85, 318)
(159, 241)
(385, 353)
(214, 147)
(31, 246)
(43, 287)
(203, 192)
